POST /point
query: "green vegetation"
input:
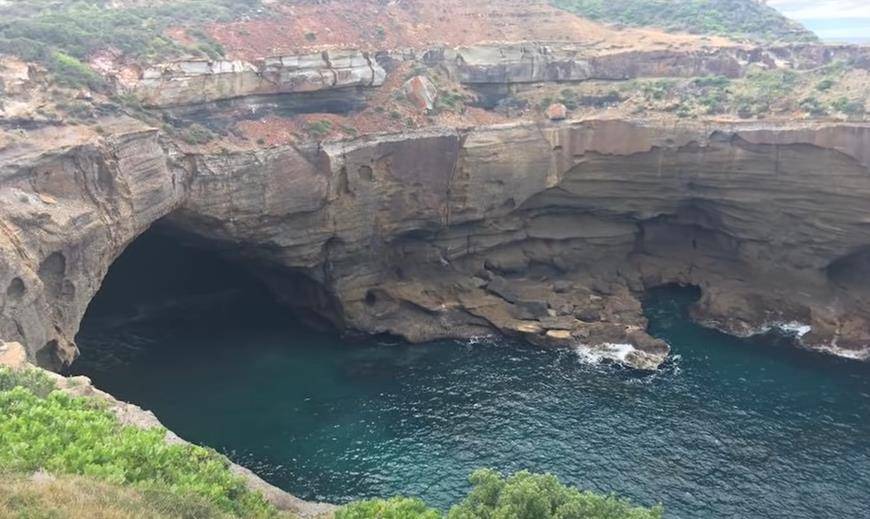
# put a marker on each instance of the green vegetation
(77, 436)
(834, 90)
(318, 129)
(393, 508)
(521, 496)
(735, 18)
(449, 101)
(34, 380)
(196, 133)
(64, 34)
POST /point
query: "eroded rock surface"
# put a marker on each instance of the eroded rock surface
(550, 232)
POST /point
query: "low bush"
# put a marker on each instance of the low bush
(319, 129)
(34, 380)
(196, 134)
(65, 435)
(393, 508)
(521, 496)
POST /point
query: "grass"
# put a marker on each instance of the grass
(48, 430)
(734, 18)
(79, 497)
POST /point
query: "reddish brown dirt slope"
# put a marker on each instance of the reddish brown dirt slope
(375, 25)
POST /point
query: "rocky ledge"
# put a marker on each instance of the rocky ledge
(550, 232)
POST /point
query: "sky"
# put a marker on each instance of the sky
(830, 19)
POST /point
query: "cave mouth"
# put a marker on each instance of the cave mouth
(171, 285)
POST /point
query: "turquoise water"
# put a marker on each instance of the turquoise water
(729, 428)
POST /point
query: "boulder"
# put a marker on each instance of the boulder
(13, 355)
(421, 92)
(557, 112)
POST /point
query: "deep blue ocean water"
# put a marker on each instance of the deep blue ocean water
(729, 428)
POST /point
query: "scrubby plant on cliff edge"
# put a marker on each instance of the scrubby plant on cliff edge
(66, 435)
(521, 496)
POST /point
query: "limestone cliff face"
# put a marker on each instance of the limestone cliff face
(68, 211)
(189, 82)
(547, 232)
(482, 66)
(550, 232)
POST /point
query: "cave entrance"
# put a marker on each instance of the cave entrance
(171, 288)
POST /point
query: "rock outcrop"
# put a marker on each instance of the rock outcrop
(192, 82)
(550, 232)
(68, 210)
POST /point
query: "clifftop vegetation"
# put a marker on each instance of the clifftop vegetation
(521, 496)
(749, 19)
(46, 430)
(64, 34)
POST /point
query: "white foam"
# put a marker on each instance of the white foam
(617, 352)
(479, 339)
(834, 349)
(795, 328)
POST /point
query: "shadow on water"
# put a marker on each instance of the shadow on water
(730, 428)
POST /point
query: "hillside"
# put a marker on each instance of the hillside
(751, 19)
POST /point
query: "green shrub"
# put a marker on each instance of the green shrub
(847, 106)
(824, 84)
(393, 508)
(540, 496)
(196, 134)
(34, 380)
(812, 106)
(66, 435)
(69, 71)
(521, 496)
(319, 129)
(712, 82)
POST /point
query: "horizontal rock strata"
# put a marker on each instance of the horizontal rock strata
(192, 82)
(481, 66)
(547, 232)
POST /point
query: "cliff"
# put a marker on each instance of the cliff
(532, 177)
(546, 231)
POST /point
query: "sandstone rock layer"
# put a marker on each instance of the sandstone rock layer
(547, 232)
